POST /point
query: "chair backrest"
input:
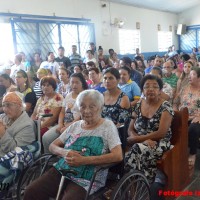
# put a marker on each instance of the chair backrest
(179, 125)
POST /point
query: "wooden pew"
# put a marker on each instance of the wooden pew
(174, 162)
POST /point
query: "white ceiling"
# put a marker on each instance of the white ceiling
(174, 6)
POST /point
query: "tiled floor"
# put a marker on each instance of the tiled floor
(194, 185)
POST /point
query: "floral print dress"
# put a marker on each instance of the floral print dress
(191, 100)
(46, 106)
(115, 112)
(141, 157)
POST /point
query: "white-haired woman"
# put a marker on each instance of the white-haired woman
(84, 145)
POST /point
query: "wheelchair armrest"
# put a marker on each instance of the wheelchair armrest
(64, 172)
(102, 167)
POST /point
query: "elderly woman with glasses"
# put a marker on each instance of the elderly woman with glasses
(149, 130)
(83, 146)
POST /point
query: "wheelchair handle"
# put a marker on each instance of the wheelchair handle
(64, 172)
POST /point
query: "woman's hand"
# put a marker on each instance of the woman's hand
(196, 119)
(74, 158)
(150, 143)
(58, 130)
(133, 139)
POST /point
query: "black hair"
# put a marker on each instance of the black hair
(113, 71)
(127, 69)
(80, 67)
(159, 70)
(126, 60)
(89, 51)
(50, 80)
(82, 79)
(62, 48)
(2, 90)
(185, 57)
(135, 62)
(100, 48)
(111, 50)
(7, 77)
(50, 52)
(151, 77)
(24, 74)
(138, 58)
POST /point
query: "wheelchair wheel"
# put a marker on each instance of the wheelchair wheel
(32, 172)
(132, 186)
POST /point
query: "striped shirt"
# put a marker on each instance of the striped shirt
(75, 59)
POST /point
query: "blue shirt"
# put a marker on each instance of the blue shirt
(98, 87)
(131, 89)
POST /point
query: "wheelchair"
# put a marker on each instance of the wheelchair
(11, 193)
(119, 186)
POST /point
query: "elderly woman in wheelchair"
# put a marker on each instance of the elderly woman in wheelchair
(16, 135)
(83, 146)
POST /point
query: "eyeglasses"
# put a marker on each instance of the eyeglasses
(18, 76)
(151, 87)
(8, 105)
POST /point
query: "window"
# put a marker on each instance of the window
(129, 40)
(164, 40)
(6, 41)
(44, 36)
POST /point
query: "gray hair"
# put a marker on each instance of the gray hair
(96, 96)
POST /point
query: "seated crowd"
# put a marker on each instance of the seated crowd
(88, 101)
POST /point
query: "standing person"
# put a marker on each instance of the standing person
(149, 130)
(92, 47)
(69, 112)
(18, 65)
(75, 58)
(25, 62)
(137, 53)
(50, 64)
(23, 86)
(35, 65)
(116, 103)
(189, 97)
(61, 59)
